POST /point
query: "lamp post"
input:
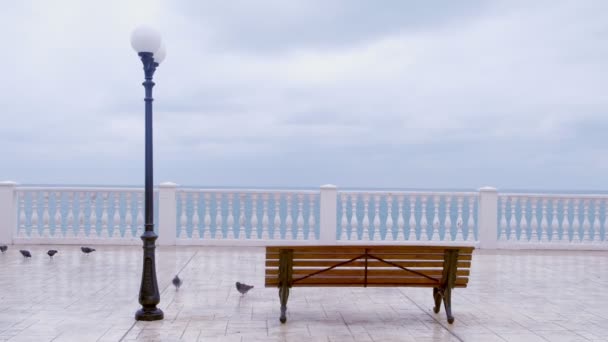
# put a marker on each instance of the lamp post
(147, 42)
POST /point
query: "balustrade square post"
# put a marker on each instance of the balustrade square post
(328, 215)
(8, 211)
(167, 213)
(487, 218)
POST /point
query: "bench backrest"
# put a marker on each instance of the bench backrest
(424, 266)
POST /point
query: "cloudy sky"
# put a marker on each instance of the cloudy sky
(300, 93)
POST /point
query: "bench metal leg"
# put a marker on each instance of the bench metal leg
(283, 295)
(447, 302)
(437, 298)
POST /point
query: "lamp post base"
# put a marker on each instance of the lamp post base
(153, 314)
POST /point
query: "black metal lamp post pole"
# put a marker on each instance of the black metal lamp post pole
(149, 296)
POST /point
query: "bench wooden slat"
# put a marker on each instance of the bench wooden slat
(372, 249)
(344, 257)
(371, 263)
(396, 281)
(393, 272)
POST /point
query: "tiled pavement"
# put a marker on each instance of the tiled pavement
(512, 296)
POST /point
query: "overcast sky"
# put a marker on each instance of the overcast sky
(300, 93)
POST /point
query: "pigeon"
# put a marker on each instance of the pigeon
(87, 250)
(51, 253)
(25, 253)
(177, 282)
(243, 288)
(3, 248)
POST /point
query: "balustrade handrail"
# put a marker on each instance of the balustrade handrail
(248, 191)
(79, 189)
(553, 196)
(406, 192)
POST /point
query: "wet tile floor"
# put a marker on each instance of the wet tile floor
(512, 296)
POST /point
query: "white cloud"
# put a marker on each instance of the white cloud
(280, 82)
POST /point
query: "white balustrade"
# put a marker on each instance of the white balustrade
(101, 215)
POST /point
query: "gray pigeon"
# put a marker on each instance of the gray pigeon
(3, 248)
(51, 253)
(243, 288)
(87, 250)
(177, 282)
(25, 253)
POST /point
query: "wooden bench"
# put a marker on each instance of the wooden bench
(439, 267)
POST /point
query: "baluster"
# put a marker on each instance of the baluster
(69, 229)
(447, 223)
(365, 235)
(523, 222)
(276, 232)
(459, 221)
(502, 233)
(566, 222)
(435, 233)
(196, 233)
(471, 219)
(254, 217)
(45, 215)
(534, 218)
(183, 216)
(400, 220)
(389, 218)
(92, 216)
(300, 218)
(104, 215)
(596, 221)
(22, 226)
(288, 219)
(554, 222)
(412, 220)
(82, 202)
(218, 216)
(311, 218)
(230, 217)
(544, 225)
(354, 224)
(140, 214)
(343, 220)
(513, 220)
(242, 231)
(116, 217)
(265, 219)
(376, 221)
(129, 215)
(575, 222)
(35, 230)
(207, 227)
(57, 232)
(423, 220)
(586, 225)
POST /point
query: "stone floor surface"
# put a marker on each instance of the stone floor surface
(512, 296)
